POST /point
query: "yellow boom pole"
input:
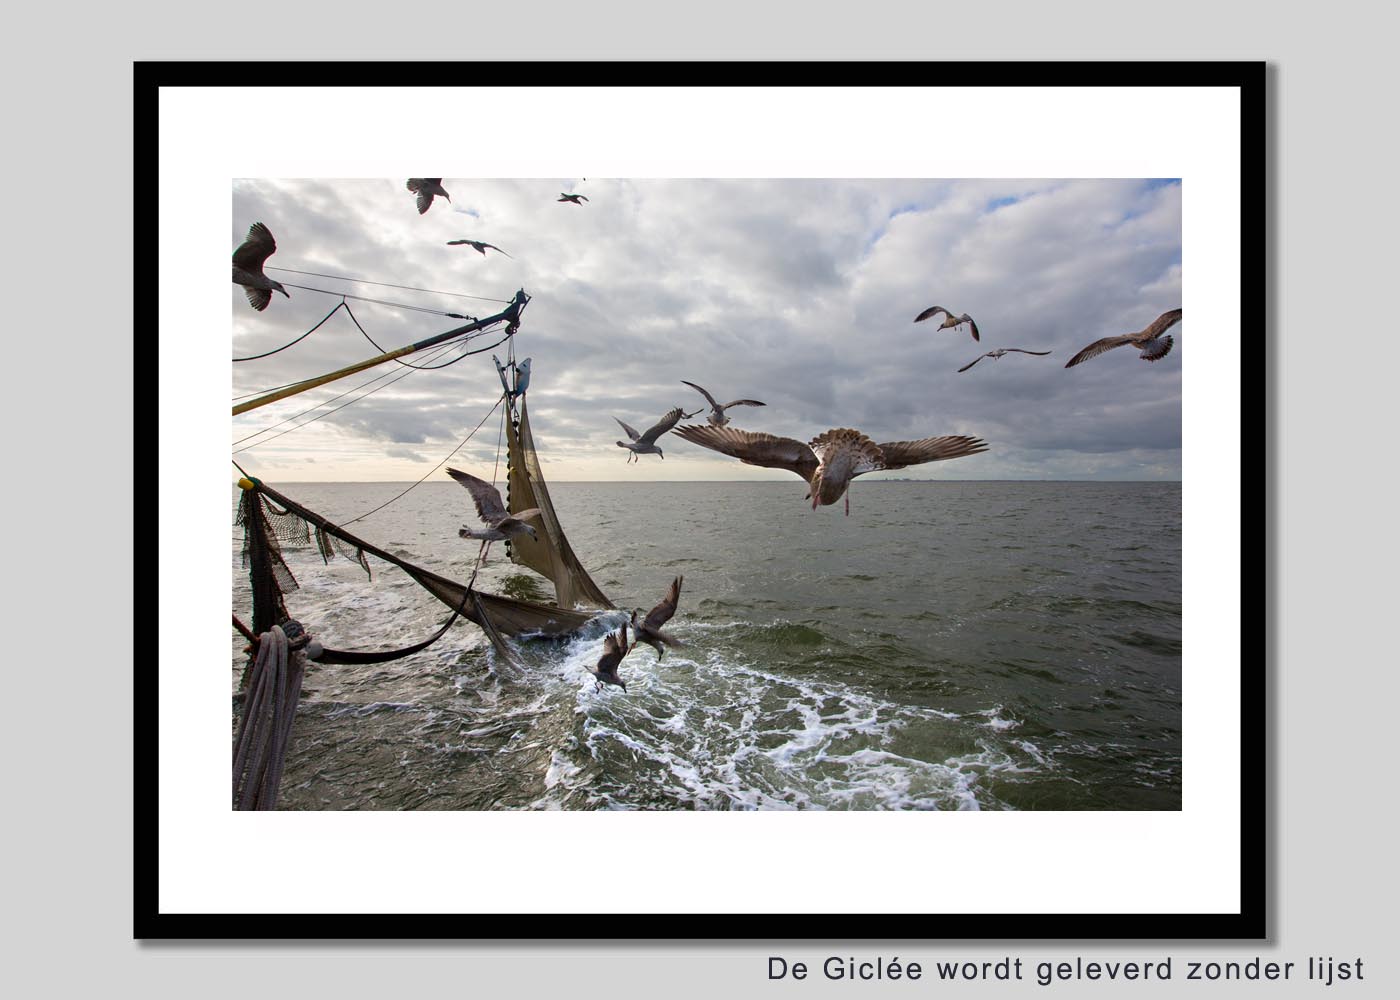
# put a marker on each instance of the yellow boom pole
(511, 314)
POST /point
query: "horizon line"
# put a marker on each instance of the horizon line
(747, 482)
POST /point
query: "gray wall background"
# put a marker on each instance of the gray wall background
(1330, 588)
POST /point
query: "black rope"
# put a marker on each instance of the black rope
(439, 351)
(348, 656)
(308, 333)
(263, 392)
(434, 468)
(382, 302)
(355, 319)
(428, 368)
(391, 381)
(366, 281)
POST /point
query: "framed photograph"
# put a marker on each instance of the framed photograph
(818, 510)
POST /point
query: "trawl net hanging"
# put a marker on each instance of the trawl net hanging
(550, 554)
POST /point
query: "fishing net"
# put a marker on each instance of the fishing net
(550, 554)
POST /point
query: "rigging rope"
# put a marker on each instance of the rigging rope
(436, 467)
(355, 319)
(438, 352)
(264, 392)
(470, 336)
(382, 302)
(366, 281)
(308, 333)
(428, 368)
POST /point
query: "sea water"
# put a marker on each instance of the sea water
(949, 645)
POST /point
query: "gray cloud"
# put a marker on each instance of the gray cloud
(800, 293)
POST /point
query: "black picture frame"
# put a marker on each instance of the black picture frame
(1249, 922)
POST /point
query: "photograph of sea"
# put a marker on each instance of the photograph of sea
(739, 494)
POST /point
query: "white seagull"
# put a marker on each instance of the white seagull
(500, 524)
(999, 352)
(645, 444)
(717, 417)
(948, 319)
(830, 460)
(1153, 344)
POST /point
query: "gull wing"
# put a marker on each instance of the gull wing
(930, 311)
(899, 454)
(972, 323)
(1022, 350)
(1162, 323)
(258, 298)
(629, 429)
(662, 613)
(509, 524)
(753, 448)
(974, 361)
(662, 426)
(1098, 347)
(613, 652)
(743, 402)
(487, 497)
(702, 392)
(258, 246)
(1156, 350)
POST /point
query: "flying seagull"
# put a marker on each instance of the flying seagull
(830, 460)
(426, 188)
(649, 629)
(476, 245)
(998, 353)
(614, 649)
(717, 417)
(577, 199)
(948, 319)
(500, 525)
(645, 444)
(1154, 346)
(248, 267)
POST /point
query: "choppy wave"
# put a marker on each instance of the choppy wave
(998, 678)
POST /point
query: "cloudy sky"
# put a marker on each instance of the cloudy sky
(800, 293)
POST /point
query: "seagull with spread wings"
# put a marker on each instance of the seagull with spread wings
(717, 417)
(476, 245)
(248, 267)
(614, 649)
(948, 319)
(649, 629)
(830, 460)
(500, 524)
(645, 444)
(999, 352)
(577, 199)
(425, 188)
(1150, 341)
